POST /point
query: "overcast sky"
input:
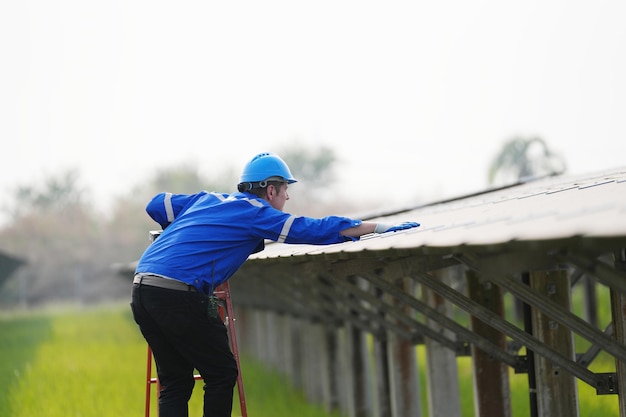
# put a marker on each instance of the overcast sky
(415, 98)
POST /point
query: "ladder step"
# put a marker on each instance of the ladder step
(154, 380)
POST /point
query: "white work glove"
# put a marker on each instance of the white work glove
(390, 227)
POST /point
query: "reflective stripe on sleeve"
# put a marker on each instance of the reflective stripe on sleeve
(286, 227)
(169, 210)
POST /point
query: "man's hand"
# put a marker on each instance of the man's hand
(390, 227)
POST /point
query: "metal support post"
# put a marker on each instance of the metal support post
(491, 377)
(557, 392)
(618, 309)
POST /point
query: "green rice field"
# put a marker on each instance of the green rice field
(92, 362)
(82, 363)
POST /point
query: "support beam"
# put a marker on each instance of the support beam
(460, 331)
(614, 278)
(618, 309)
(530, 355)
(401, 319)
(559, 314)
(330, 365)
(492, 395)
(382, 385)
(557, 394)
(404, 378)
(297, 356)
(586, 358)
(475, 309)
(403, 373)
(591, 300)
(443, 376)
(354, 365)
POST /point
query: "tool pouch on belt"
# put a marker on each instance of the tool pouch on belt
(212, 306)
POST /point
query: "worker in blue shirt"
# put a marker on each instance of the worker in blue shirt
(206, 238)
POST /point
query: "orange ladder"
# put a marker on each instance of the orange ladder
(226, 312)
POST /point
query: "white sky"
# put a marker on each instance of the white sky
(414, 97)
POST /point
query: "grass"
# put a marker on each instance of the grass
(82, 364)
(92, 362)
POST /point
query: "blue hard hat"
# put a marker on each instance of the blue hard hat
(264, 166)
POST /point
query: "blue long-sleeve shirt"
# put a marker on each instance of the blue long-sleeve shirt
(208, 236)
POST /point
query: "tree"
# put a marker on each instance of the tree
(55, 231)
(56, 193)
(315, 167)
(522, 158)
(185, 178)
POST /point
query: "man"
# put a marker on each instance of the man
(206, 238)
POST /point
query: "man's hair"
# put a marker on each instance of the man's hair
(260, 192)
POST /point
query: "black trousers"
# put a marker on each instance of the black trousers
(183, 338)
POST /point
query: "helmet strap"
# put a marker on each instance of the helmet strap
(244, 186)
(247, 186)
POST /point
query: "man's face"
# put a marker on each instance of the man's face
(277, 197)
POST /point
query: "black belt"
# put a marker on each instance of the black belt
(156, 281)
